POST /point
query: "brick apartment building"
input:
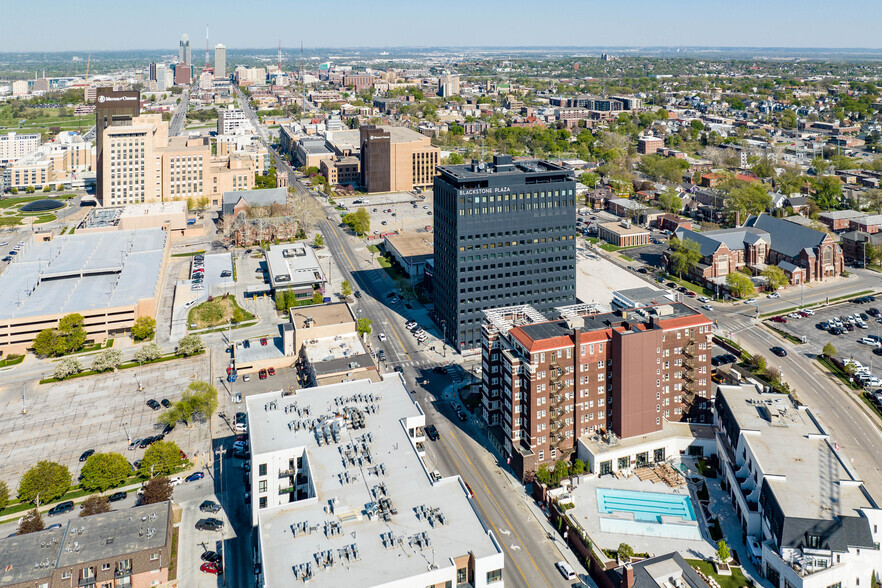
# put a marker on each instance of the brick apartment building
(547, 383)
(649, 145)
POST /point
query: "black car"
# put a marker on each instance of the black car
(165, 403)
(672, 285)
(61, 508)
(7, 258)
(873, 311)
(209, 506)
(153, 404)
(358, 293)
(211, 556)
(240, 417)
(438, 369)
(146, 441)
(246, 344)
(399, 369)
(167, 430)
(717, 361)
(117, 496)
(779, 351)
(729, 358)
(86, 454)
(209, 524)
(432, 433)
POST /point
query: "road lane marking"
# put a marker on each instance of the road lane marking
(502, 512)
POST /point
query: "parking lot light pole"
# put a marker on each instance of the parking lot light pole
(128, 437)
(140, 386)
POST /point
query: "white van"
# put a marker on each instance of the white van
(566, 570)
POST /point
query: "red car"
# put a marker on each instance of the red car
(241, 437)
(183, 455)
(211, 568)
(263, 341)
(271, 371)
(778, 319)
(262, 374)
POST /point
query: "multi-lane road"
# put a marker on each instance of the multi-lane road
(179, 118)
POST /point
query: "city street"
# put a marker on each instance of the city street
(179, 118)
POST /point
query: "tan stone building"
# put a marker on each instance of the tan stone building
(396, 159)
(63, 161)
(342, 170)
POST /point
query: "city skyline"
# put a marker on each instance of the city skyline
(807, 24)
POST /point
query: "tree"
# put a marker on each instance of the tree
(828, 191)
(161, 459)
(363, 326)
(47, 188)
(95, 504)
(543, 474)
(747, 198)
(625, 551)
(758, 363)
(873, 253)
(4, 495)
(829, 350)
(46, 481)
(149, 352)
(788, 119)
(670, 201)
(198, 402)
(723, 551)
(144, 328)
(317, 297)
(686, 255)
(578, 467)
(156, 490)
(190, 345)
(31, 522)
(319, 241)
(70, 336)
(739, 284)
(773, 373)
(359, 221)
(44, 343)
(107, 360)
(776, 277)
(560, 471)
(67, 367)
(104, 471)
(345, 289)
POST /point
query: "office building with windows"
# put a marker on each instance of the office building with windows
(504, 236)
(547, 383)
(220, 61)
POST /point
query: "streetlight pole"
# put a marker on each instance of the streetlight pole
(140, 373)
(444, 340)
(128, 437)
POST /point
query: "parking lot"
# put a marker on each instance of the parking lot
(848, 343)
(401, 211)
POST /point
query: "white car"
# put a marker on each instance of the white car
(190, 304)
(707, 307)
(774, 295)
(174, 481)
(382, 337)
(868, 341)
(808, 311)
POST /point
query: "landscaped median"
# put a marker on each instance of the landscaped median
(820, 304)
(216, 312)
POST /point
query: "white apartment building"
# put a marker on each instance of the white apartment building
(340, 494)
(14, 146)
(810, 520)
(230, 120)
(20, 88)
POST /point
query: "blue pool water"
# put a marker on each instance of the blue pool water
(647, 507)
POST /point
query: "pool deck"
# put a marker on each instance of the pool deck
(585, 513)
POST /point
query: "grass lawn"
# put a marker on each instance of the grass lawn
(736, 580)
(218, 312)
(691, 286)
(373, 248)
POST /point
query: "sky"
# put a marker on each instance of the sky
(95, 25)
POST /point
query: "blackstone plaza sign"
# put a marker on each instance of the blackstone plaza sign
(483, 191)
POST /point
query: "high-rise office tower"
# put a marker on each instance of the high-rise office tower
(504, 236)
(184, 50)
(153, 75)
(220, 61)
(112, 109)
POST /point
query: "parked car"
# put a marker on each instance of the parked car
(165, 402)
(61, 508)
(566, 570)
(175, 481)
(211, 524)
(209, 506)
(432, 433)
(263, 341)
(271, 371)
(246, 344)
(210, 556)
(153, 404)
(262, 374)
(864, 340)
(778, 319)
(117, 496)
(194, 476)
(134, 444)
(86, 454)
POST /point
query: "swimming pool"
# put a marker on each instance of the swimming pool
(647, 507)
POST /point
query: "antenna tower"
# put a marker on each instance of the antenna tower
(280, 55)
(207, 62)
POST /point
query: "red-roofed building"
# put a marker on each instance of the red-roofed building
(547, 383)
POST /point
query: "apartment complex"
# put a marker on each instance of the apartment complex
(230, 120)
(504, 236)
(649, 145)
(795, 493)
(128, 547)
(14, 146)
(448, 85)
(340, 491)
(547, 383)
(396, 159)
(65, 160)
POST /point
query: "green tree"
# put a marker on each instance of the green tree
(107, 360)
(776, 277)
(346, 289)
(44, 343)
(149, 352)
(747, 198)
(319, 241)
(198, 402)
(670, 201)
(578, 467)
(280, 300)
(668, 169)
(455, 159)
(363, 326)
(828, 191)
(67, 367)
(144, 328)
(190, 345)
(739, 284)
(723, 551)
(95, 504)
(290, 299)
(104, 471)
(160, 459)
(788, 119)
(4, 495)
(31, 522)
(317, 297)
(685, 255)
(359, 221)
(758, 363)
(156, 490)
(543, 474)
(829, 350)
(560, 471)
(625, 551)
(47, 188)
(46, 481)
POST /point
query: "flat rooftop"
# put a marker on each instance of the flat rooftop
(791, 448)
(154, 209)
(617, 228)
(332, 348)
(412, 244)
(27, 558)
(322, 315)
(387, 407)
(293, 264)
(82, 272)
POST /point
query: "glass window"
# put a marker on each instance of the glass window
(494, 576)
(261, 469)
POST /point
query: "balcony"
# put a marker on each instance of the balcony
(288, 490)
(286, 473)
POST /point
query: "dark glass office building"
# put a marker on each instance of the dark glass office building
(504, 235)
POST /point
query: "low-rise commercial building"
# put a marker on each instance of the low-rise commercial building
(341, 170)
(311, 151)
(413, 251)
(110, 278)
(345, 462)
(794, 492)
(294, 266)
(623, 234)
(128, 547)
(839, 220)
